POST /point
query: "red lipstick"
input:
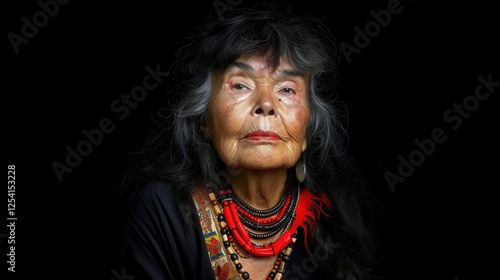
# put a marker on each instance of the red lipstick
(262, 135)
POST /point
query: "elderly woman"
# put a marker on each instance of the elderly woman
(251, 177)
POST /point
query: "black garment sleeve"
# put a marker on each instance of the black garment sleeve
(162, 240)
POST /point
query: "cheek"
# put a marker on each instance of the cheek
(297, 119)
(225, 122)
(226, 125)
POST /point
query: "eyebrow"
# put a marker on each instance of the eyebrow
(282, 73)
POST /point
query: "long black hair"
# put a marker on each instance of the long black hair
(177, 150)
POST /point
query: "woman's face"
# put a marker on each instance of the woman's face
(258, 118)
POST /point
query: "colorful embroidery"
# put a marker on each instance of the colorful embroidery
(223, 270)
(213, 245)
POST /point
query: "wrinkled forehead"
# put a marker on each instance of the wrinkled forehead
(263, 63)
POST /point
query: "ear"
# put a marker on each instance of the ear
(304, 145)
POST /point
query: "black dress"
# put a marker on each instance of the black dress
(163, 240)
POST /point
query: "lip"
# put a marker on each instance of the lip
(262, 135)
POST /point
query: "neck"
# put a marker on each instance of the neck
(261, 189)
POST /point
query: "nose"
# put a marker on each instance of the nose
(265, 105)
(260, 111)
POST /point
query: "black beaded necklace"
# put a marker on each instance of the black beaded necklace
(260, 219)
(258, 212)
(281, 260)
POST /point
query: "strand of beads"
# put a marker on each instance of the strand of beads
(235, 247)
(243, 236)
(281, 260)
(225, 239)
(257, 212)
(280, 264)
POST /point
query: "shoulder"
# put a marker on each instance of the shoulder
(157, 200)
(155, 190)
(159, 231)
(155, 187)
(154, 198)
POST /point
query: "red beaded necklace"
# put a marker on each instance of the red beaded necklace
(232, 211)
(303, 212)
(282, 258)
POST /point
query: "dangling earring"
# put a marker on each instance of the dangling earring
(300, 170)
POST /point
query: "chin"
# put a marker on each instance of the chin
(263, 165)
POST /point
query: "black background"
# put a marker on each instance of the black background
(442, 218)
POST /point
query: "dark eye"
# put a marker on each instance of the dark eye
(239, 86)
(287, 90)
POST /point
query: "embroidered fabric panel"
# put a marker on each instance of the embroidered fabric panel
(221, 264)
